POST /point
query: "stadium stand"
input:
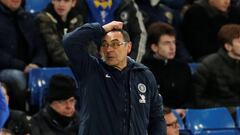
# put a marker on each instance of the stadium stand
(210, 121)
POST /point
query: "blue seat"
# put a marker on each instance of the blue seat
(238, 116)
(210, 121)
(193, 66)
(34, 6)
(38, 82)
(179, 119)
(182, 129)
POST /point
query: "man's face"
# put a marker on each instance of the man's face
(166, 47)
(12, 4)
(64, 107)
(63, 7)
(172, 125)
(114, 49)
(234, 48)
(221, 5)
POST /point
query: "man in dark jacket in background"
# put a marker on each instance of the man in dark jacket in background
(217, 81)
(21, 48)
(173, 77)
(59, 116)
(118, 96)
(201, 24)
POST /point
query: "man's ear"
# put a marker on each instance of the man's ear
(154, 47)
(129, 47)
(228, 47)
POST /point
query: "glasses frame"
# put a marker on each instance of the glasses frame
(114, 44)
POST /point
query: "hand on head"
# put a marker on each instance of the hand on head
(112, 25)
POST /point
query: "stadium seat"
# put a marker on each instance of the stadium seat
(38, 82)
(34, 6)
(238, 116)
(193, 66)
(183, 130)
(210, 121)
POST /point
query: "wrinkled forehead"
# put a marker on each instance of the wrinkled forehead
(113, 35)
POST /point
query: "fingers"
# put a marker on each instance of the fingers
(30, 67)
(112, 25)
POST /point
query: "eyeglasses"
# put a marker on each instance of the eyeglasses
(113, 44)
(174, 124)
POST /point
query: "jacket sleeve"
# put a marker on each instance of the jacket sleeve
(76, 43)
(35, 128)
(8, 61)
(132, 18)
(52, 40)
(200, 80)
(39, 51)
(157, 125)
(35, 42)
(4, 111)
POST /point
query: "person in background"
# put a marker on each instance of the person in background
(126, 11)
(21, 49)
(17, 122)
(174, 78)
(171, 122)
(155, 11)
(125, 99)
(59, 116)
(216, 81)
(57, 19)
(201, 24)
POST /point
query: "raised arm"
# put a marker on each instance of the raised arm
(76, 42)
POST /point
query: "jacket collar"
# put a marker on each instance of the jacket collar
(232, 62)
(135, 65)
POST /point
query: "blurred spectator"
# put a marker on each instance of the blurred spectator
(17, 122)
(173, 77)
(4, 111)
(59, 116)
(154, 12)
(21, 48)
(55, 21)
(158, 12)
(200, 26)
(171, 122)
(126, 11)
(217, 80)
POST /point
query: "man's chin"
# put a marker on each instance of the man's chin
(110, 63)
